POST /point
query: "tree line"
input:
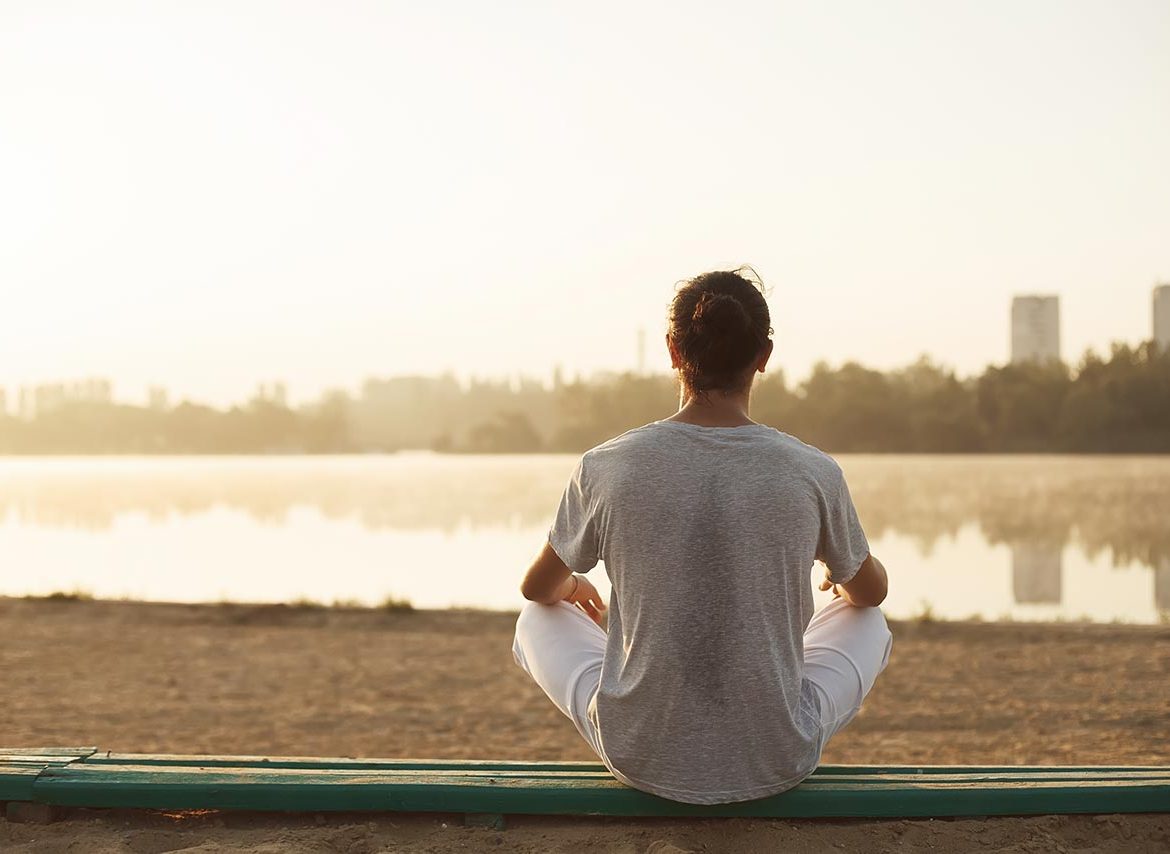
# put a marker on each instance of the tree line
(1118, 404)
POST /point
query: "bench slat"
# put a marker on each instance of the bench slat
(16, 781)
(594, 773)
(55, 752)
(308, 762)
(874, 795)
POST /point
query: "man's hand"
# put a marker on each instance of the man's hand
(828, 585)
(866, 589)
(549, 581)
(585, 597)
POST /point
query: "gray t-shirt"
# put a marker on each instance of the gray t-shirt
(708, 535)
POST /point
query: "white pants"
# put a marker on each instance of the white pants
(561, 648)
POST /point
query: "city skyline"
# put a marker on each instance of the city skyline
(225, 192)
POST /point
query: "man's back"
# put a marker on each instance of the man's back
(708, 535)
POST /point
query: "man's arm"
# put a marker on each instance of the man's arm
(867, 588)
(549, 580)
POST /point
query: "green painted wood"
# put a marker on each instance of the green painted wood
(20, 766)
(84, 777)
(585, 793)
(16, 781)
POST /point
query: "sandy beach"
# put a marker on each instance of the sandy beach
(139, 677)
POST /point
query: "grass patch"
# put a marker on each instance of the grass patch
(393, 603)
(74, 595)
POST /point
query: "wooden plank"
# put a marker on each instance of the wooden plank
(31, 759)
(1031, 776)
(586, 771)
(74, 753)
(342, 763)
(309, 762)
(1008, 774)
(20, 766)
(570, 793)
(16, 781)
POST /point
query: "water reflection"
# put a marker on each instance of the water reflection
(1036, 572)
(1119, 504)
(1162, 585)
(403, 491)
(1055, 524)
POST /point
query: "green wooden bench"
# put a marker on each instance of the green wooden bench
(485, 790)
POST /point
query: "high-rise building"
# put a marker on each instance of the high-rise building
(1161, 314)
(1035, 329)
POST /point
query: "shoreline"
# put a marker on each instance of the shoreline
(397, 606)
(540, 452)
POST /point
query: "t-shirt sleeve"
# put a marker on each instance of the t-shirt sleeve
(573, 533)
(843, 546)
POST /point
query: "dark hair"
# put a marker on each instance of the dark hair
(719, 323)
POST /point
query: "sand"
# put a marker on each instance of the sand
(137, 677)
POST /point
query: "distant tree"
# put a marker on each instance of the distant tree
(1116, 404)
(774, 403)
(943, 417)
(853, 409)
(507, 433)
(1119, 405)
(1019, 405)
(325, 427)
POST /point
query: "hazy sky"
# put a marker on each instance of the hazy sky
(209, 194)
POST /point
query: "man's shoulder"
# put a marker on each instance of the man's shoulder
(799, 446)
(623, 442)
(815, 462)
(773, 442)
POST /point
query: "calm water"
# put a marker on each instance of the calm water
(1026, 538)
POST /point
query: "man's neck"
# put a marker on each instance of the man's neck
(716, 410)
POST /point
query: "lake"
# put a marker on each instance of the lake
(990, 537)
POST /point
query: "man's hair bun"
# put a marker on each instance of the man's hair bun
(720, 314)
(719, 323)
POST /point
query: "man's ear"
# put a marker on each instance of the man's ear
(673, 353)
(765, 356)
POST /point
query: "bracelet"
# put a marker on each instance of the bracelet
(576, 584)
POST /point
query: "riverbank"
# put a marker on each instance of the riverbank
(149, 677)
